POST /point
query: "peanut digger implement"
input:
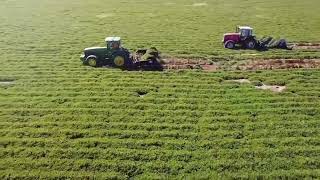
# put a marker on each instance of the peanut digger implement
(113, 55)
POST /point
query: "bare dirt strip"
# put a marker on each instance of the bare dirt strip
(270, 64)
(259, 64)
(173, 63)
(180, 63)
(313, 46)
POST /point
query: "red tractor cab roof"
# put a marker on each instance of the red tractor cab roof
(231, 34)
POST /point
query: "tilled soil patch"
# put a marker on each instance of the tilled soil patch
(259, 64)
(314, 46)
(200, 64)
(270, 64)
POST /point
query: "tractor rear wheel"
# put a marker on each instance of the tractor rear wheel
(250, 44)
(119, 61)
(229, 45)
(92, 61)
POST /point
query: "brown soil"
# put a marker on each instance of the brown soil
(261, 64)
(280, 64)
(315, 46)
(201, 64)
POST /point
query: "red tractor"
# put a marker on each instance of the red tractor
(243, 37)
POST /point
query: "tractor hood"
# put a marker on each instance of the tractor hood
(231, 34)
(95, 48)
(235, 37)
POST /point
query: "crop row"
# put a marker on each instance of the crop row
(222, 123)
(178, 86)
(132, 168)
(136, 103)
(132, 97)
(53, 174)
(199, 135)
(136, 94)
(173, 167)
(156, 154)
(165, 143)
(83, 71)
(145, 111)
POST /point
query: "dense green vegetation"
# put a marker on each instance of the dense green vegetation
(179, 27)
(136, 124)
(59, 119)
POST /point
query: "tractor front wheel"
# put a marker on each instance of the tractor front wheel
(92, 61)
(229, 45)
(251, 44)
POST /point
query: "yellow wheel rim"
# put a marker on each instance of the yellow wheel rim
(119, 61)
(92, 62)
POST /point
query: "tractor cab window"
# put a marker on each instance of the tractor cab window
(245, 32)
(113, 44)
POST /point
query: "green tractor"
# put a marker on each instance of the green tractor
(114, 55)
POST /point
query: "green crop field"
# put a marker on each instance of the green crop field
(61, 120)
(179, 27)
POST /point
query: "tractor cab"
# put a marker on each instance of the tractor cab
(243, 37)
(244, 31)
(113, 43)
(114, 55)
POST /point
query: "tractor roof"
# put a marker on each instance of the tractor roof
(113, 39)
(245, 27)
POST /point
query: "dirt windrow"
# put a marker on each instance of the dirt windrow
(259, 64)
(269, 64)
(313, 46)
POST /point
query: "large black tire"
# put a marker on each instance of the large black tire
(92, 61)
(250, 44)
(121, 59)
(229, 45)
